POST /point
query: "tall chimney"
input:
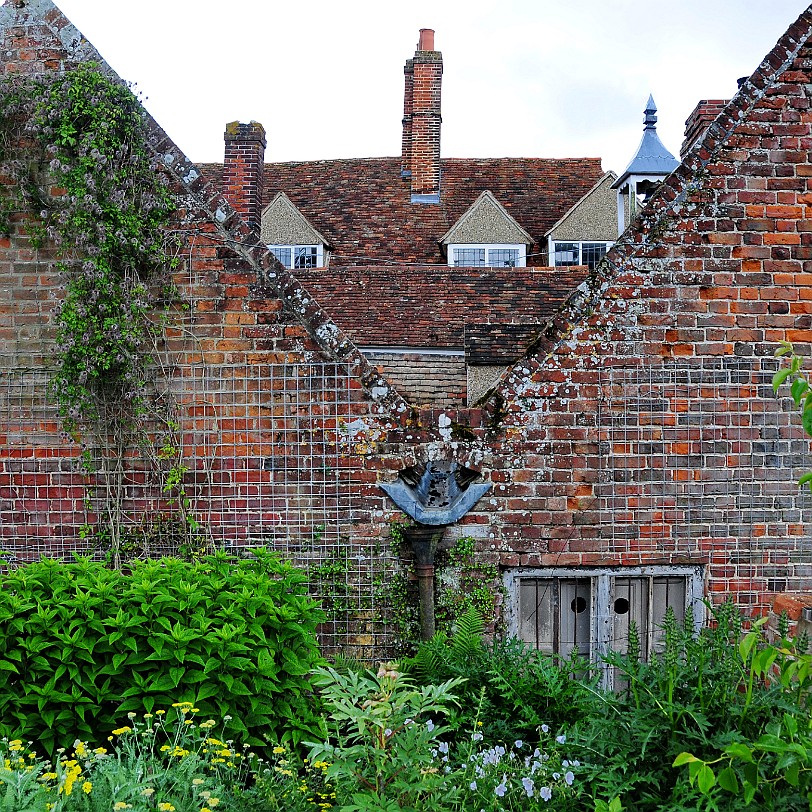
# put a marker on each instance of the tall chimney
(243, 169)
(421, 120)
(698, 122)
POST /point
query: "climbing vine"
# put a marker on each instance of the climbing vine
(76, 146)
(74, 153)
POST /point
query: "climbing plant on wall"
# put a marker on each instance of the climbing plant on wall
(74, 148)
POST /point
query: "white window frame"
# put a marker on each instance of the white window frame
(292, 248)
(488, 247)
(580, 244)
(602, 578)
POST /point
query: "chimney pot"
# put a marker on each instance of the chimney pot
(426, 42)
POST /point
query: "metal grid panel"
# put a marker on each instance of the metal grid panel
(271, 459)
(701, 459)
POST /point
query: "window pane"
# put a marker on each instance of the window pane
(503, 257)
(282, 253)
(666, 591)
(305, 256)
(469, 257)
(629, 603)
(536, 613)
(591, 253)
(575, 616)
(566, 253)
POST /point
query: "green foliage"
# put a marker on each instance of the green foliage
(171, 761)
(461, 583)
(800, 390)
(698, 693)
(383, 733)
(509, 688)
(772, 767)
(81, 645)
(97, 194)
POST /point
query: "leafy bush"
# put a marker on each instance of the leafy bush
(699, 693)
(390, 752)
(772, 769)
(510, 688)
(81, 645)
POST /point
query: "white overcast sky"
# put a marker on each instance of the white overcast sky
(533, 78)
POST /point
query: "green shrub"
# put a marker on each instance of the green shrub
(509, 687)
(81, 645)
(699, 694)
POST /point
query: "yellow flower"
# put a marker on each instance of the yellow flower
(100, 751)
(148, 792)
(278, 749)
(214, 801)
(160, 712)
(164, 807)
(120, 731)
(121, 805)
(205, 809)
(196, 782)
(87, 787)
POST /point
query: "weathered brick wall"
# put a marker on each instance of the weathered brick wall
(712, 278)
(642, 430)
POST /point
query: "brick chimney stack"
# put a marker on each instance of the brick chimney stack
(698, 122)
(243, 169)
(421, 120)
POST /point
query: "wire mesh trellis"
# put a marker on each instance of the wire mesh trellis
(701, 461)
(269, 459)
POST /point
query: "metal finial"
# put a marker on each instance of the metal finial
(651, 114)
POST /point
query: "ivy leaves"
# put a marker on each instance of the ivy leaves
(104, 204)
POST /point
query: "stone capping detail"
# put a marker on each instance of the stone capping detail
(230, 227)
(664, 205)
(486, 220)
(284, 224)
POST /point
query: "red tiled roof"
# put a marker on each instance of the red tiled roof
(362, 206)
(429, 306)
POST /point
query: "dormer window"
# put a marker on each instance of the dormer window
(577, 253)
(290, 237)
(496, 255)
(299, 256)
(486, 236)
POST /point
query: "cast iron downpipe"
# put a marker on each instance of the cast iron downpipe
(424, 539)
(435, 495)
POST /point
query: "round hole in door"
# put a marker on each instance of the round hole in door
(621, 606)
(578, 605)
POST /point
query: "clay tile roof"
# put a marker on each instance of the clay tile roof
(363, 208)
(430, 306)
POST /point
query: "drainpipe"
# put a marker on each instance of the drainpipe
(424, 539)
(434, 494)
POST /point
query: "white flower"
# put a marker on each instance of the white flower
(443, 747)
(565, 763)
(528, 784)
(501, 789)
(556, 776)
(569, 777)
(408, 722)
(561, 739)
(472, 785)
(387, 732)
(477, 737)
(430, 725)
(545, 793)
(545, 728)
(518, 744)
